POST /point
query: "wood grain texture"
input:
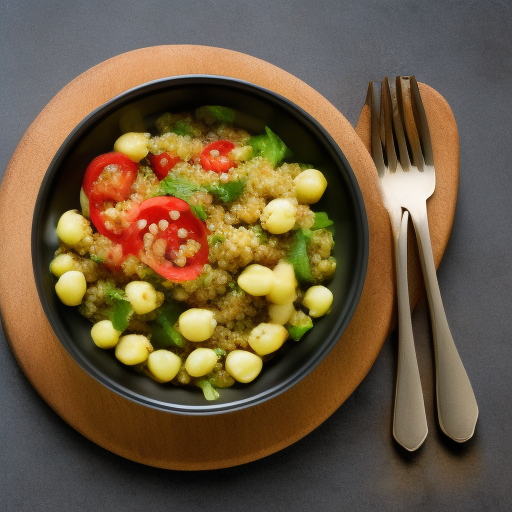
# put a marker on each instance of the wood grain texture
(193, 443)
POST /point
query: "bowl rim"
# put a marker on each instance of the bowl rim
(210, 408)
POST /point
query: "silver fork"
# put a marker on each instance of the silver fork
(408, 181)
(409, 421)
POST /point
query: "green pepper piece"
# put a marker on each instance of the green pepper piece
(297, 331)
(298, 256)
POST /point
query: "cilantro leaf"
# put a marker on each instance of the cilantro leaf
(163, 332)
(211, 113)
(183, 127)
(120, 314)
(199, 211)
(270, 146)
(183, 189)
(178, 187)
(228, 192)
(321, 221)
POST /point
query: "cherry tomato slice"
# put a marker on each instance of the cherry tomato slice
(110, 177)
(116, 231)
(162, 164)
(214, 156)
(162, 226)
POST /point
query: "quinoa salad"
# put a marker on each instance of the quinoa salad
(197, 251)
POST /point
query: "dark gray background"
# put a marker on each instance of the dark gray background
(461, 48)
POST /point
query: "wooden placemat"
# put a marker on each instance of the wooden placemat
(196, 443)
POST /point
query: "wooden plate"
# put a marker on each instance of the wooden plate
(190, 443)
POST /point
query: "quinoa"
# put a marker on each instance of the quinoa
(235, 238)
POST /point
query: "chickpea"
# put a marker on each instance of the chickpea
(280, 216)
(256, 280)
(134, 145)
(71, 287)
(318, 299)
(197, 324)
(71, 227)
(280, 313)
(309, 186)
(164, 365)
(133, 349)
(285, 284)
(200, 362)
(62, 264)
(243, 366)
(104, 335)
(267, 338)
(142, 296)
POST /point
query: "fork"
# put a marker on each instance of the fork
(407, 166)
(409, 421)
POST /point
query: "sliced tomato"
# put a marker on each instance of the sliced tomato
(157, 237)
(116, 231)
(214, 156)
(110, 177)
(162, 164)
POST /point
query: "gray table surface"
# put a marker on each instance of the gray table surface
(462, 49)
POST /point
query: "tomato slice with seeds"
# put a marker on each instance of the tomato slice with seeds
(214, 156)
(162, 164)
(118, 230)
(109, 179)
(169, 238)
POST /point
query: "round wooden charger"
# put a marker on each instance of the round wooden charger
(191, 443)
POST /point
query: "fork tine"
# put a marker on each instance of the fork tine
(373, 102)
(396, 114)
(421, 122)
(405, 100)
(387, 123)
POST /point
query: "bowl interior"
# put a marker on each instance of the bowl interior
(255, 108)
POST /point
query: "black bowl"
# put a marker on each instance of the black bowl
(256, 108)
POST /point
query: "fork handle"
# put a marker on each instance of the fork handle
(457, 409)
(409, 420)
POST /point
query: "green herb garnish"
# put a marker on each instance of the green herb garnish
(120, 314)
(229, 191)
(216, 239)
(212, 113)
(183, 189)
(258, 231)
(321, 221)
(178, 187)
(163, 332)
(210, 393)
(121, 310)
(270, 146)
